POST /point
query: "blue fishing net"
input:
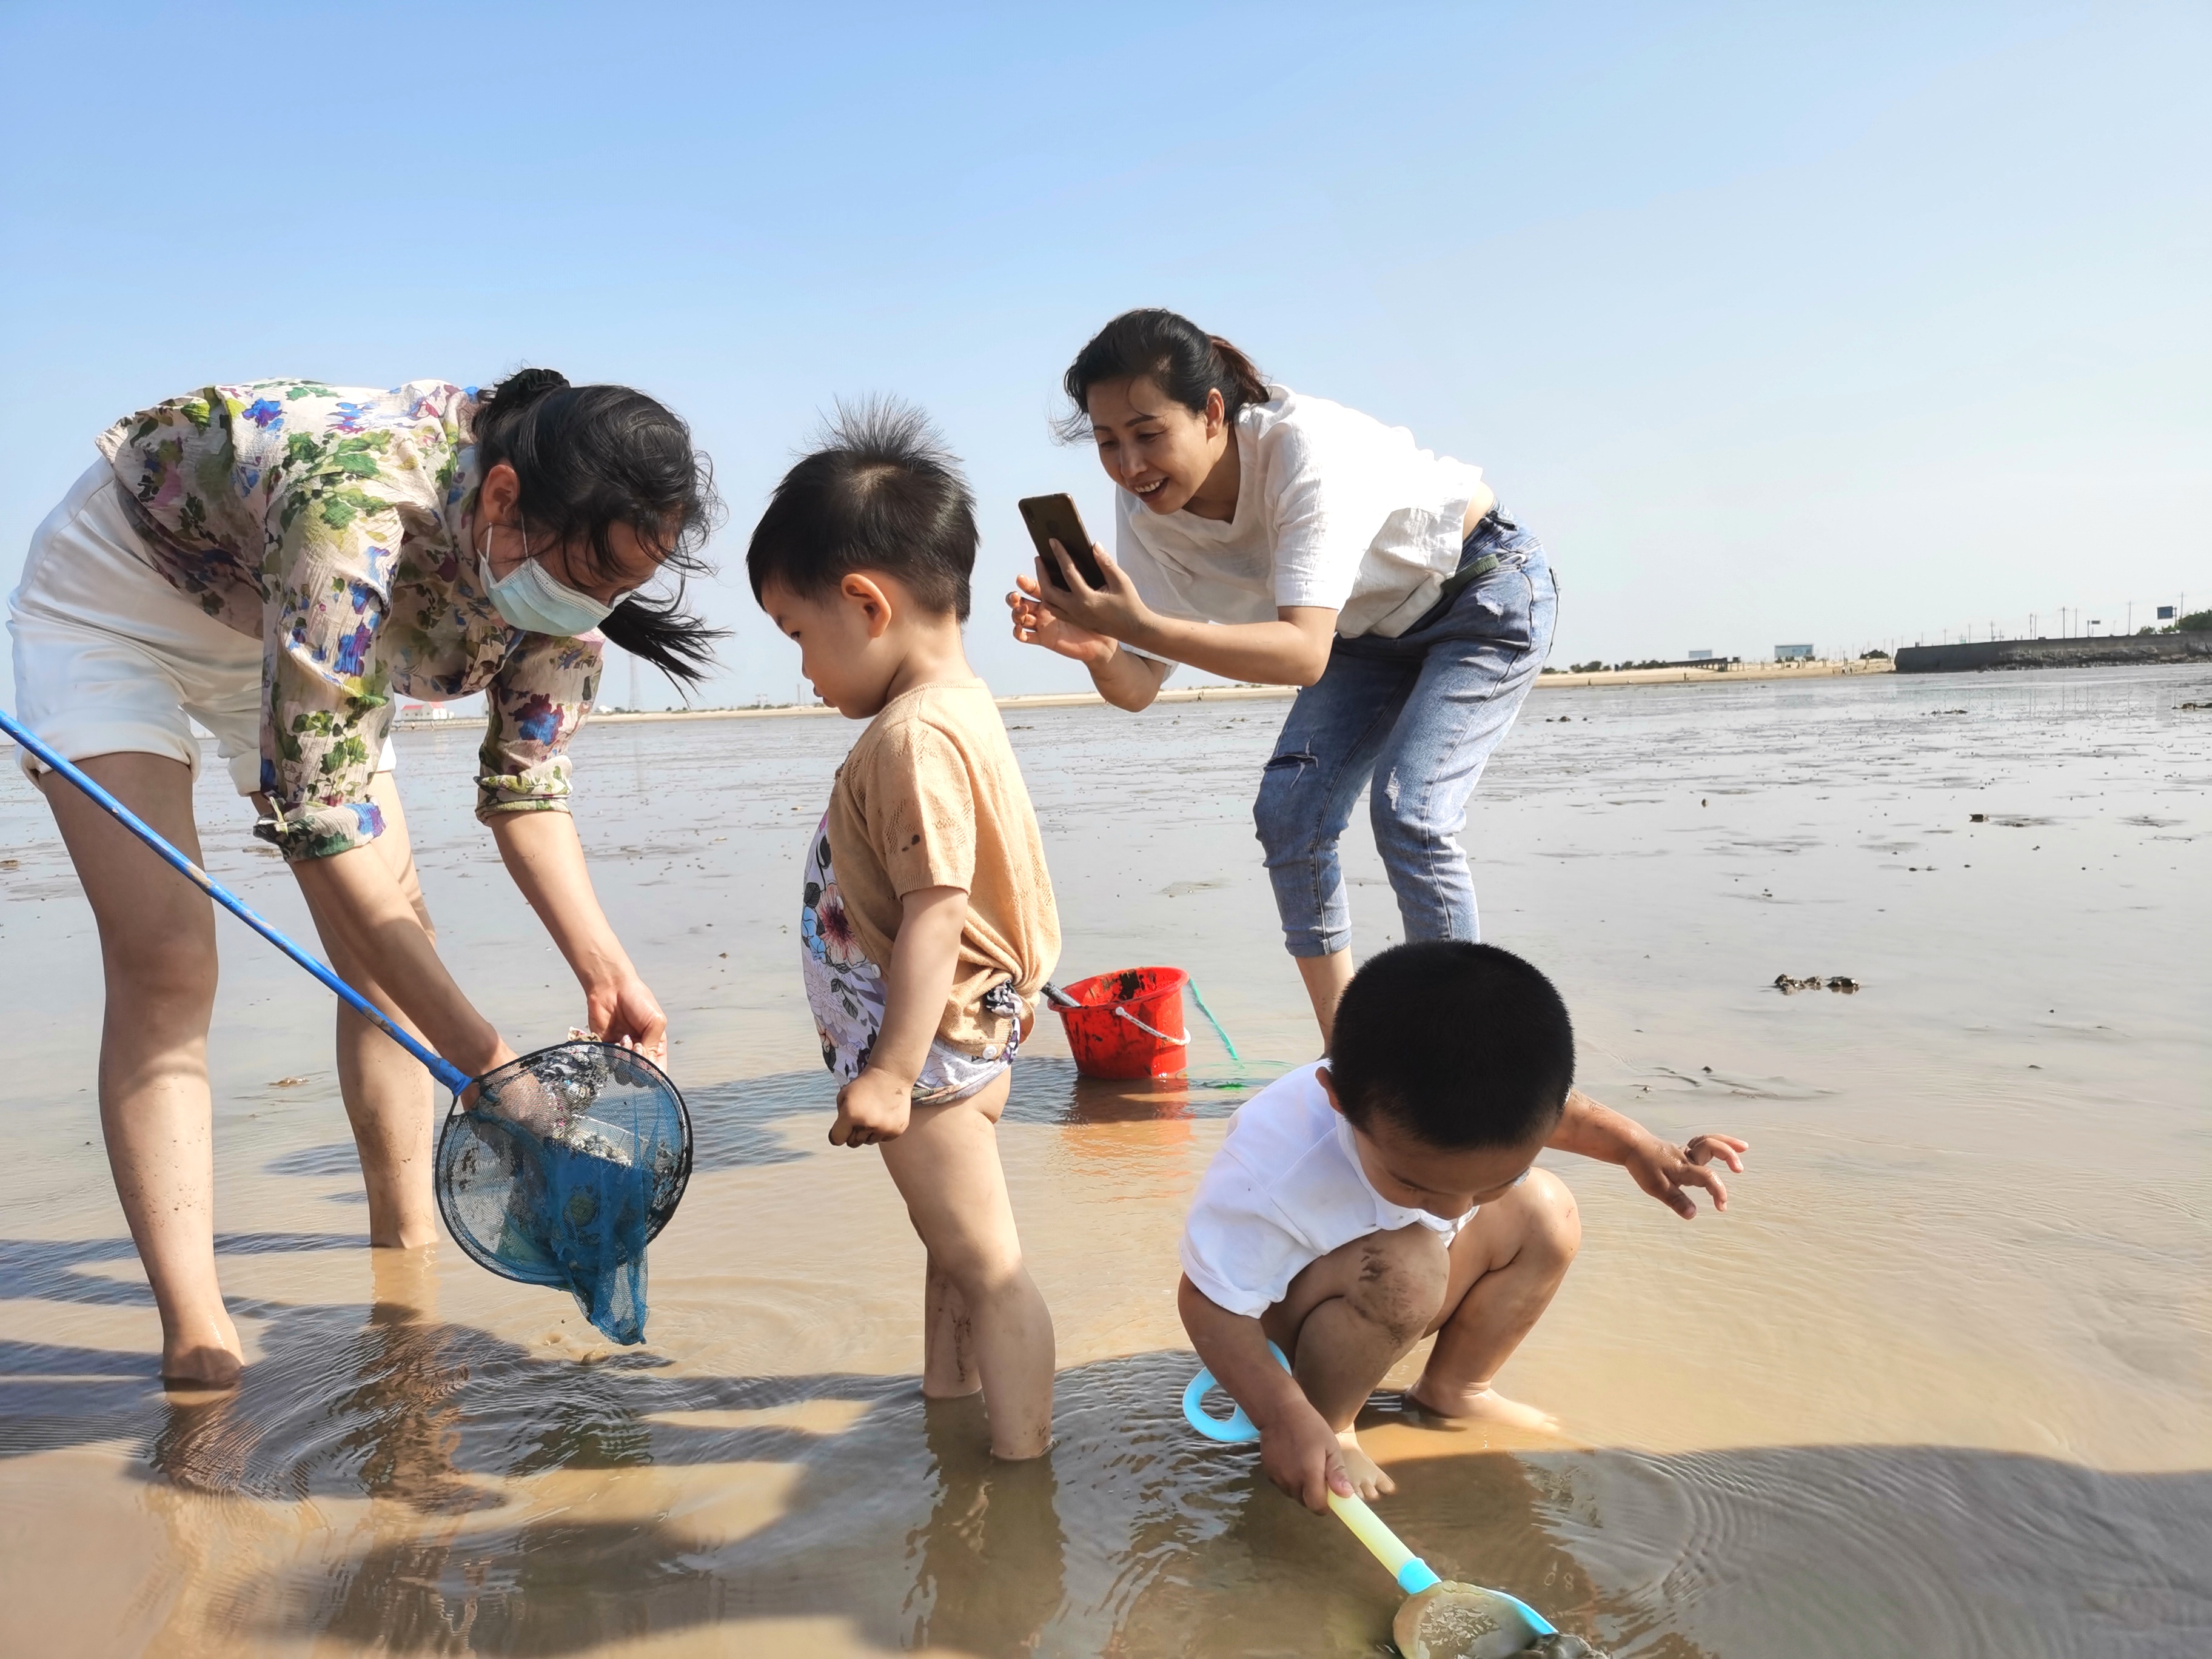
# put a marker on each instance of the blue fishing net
(567, 1165)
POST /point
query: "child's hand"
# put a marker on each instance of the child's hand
(873, 1107)
(1300, 1452)
(1664, 1170)
(1037, 624)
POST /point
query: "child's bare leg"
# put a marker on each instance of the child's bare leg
(948, 1338)
(946, 1166)
(1352, 1314)
(1506, 1265)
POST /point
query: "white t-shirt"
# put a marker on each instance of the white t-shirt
(1334, 509)
(1285, 1189)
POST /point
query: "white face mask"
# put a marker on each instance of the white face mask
(528, 598)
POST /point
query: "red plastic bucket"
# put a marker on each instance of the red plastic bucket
(1130, 1023)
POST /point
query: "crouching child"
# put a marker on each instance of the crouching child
(1387, 1193)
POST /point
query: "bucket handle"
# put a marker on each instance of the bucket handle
(1120, 1012)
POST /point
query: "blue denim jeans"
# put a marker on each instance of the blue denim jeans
(1419, 715)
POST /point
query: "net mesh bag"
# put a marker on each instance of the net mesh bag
(568, 1162)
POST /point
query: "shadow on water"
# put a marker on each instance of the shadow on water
(737, 1123)
(1132, 1538)
(749, 1122)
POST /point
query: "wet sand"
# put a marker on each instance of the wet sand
(1941, 1380)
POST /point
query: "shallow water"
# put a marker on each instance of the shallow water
(1940, 1381)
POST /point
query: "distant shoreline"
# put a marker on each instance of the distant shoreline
(1734, 674)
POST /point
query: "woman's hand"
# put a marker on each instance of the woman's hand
(1114, 610)
(621, 1010)
(1036, 625)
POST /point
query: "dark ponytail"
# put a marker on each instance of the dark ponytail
(591, 457)
(1170, 351)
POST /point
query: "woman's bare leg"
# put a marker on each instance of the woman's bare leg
(946, 1167)
(158, 956)
(389, 1098)
(1324, 978)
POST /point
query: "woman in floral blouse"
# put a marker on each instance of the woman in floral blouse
(280, 561)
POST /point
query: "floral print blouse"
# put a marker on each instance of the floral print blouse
(331, 524)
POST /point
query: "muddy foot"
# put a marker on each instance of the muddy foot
(1367, 1477)
(1481, 1406)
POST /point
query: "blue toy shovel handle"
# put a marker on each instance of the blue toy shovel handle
(1413, 1575)
(451, 1076)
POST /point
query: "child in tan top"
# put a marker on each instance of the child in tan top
(928, 924)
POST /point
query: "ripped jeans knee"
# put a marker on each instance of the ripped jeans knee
(1289, 818)
(1298, 830)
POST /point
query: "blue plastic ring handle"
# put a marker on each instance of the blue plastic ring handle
(1234, 1428)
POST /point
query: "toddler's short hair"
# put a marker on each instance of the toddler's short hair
(882, 493)
(1460, 1045)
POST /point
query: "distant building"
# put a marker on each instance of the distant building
(1793, 653)
(1697, 655)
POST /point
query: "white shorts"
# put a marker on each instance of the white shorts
(110, 658)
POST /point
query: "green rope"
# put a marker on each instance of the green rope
(1235, 1059)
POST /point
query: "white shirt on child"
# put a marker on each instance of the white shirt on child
(1286, 1189)
(1334, 509)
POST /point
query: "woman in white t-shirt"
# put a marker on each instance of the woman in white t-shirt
(1264, 535)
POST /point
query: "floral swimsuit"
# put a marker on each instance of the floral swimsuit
(846, 992)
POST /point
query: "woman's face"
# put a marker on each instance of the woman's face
(634, 563)
(500, 527)
(1151, 445)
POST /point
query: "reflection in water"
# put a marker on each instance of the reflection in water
(373, 1410)
(1048, 1090)
(407, 1402)
(988, 1561)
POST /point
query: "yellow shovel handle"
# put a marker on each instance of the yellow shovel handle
(1413, 1574)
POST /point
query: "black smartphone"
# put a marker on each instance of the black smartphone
(1053, 519)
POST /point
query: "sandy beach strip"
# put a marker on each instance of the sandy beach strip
(1735, 674)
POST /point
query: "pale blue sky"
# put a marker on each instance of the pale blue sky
(1777, 323)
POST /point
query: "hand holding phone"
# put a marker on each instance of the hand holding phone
(1053, 519)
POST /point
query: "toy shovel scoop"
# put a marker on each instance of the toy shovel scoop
(1440, 1620)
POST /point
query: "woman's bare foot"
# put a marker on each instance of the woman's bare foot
(203, 1366)
(1483, 1404)
(208, 1356)
(1365, 1473)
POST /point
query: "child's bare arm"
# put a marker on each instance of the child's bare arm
(874, 1106)
(1660, 1167)
(1298, 1448)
